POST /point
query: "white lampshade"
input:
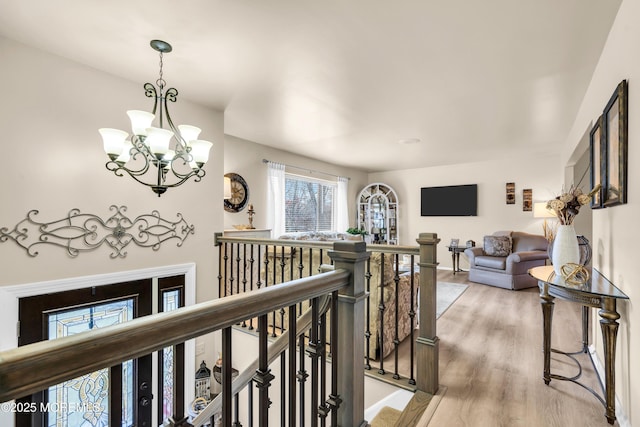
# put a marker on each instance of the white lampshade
(125, 155)
(540, 210)
(158, 140)
(140, 121)
(168, 156)
(200, 151)
(227, 187)
(189, 133)
(113, 141)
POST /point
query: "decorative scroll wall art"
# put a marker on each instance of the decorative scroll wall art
(83, 232)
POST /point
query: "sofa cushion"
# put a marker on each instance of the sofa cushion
(495, 262)
(497, 245)
(522, 242)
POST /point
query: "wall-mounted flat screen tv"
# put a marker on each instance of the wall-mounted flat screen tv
(452, 200)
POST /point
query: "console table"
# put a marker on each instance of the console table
(455, 257)
(597, 292)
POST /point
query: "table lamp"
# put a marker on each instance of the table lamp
(540, 211)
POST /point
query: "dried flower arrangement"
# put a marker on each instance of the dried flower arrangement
(567, 205)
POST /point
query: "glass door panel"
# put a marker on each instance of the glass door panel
(171, 359)
(85, 399)
(170, 302)
(116, 396)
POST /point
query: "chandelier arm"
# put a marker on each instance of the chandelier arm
(171, 95)
(197, 175)
(118, 170)
(151, 92)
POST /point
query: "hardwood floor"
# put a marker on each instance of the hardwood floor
(491, 362)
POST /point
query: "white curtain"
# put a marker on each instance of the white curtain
(275, 199)
(341, 210)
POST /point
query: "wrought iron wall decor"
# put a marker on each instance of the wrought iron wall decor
(83, 232)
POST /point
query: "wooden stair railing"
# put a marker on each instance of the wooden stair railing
(34, 367)
(276, 348)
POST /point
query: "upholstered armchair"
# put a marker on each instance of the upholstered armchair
(505, 257)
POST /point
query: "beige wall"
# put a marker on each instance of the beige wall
(540, 174)
(50, 112)
(245, 158)
(49, 115)
(615, 230)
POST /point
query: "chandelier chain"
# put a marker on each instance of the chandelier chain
(160, 82)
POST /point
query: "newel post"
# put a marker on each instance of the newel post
(351, 256)
(427, 343)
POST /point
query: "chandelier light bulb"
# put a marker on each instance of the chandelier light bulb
(189, 133)
(113, 141)
(167, 158)
(158, 140)
(125, 155)
(140, 121)
(200, 151)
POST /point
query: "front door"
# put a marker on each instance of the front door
(116, 396)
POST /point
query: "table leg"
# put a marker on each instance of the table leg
(585, 329)
(547, 303)
(609, 326)
(453, 260)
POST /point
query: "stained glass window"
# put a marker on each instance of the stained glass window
(84, 401)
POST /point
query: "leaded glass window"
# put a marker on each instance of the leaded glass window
(170, 302)
(84, 401)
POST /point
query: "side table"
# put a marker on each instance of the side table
(455, 257)
(597, 292)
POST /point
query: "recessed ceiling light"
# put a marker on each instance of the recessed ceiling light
(409, 141)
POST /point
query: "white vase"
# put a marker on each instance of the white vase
(565, 248)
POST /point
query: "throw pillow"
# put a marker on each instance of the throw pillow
(497, 245)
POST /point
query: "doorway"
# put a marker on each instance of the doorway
(118, 396)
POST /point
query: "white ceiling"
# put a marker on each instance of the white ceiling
(346, 80)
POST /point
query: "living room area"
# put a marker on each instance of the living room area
(491, 358)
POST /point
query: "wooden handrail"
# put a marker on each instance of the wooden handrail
(315, 244)
(34, 367)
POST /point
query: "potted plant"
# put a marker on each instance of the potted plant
(357, 232)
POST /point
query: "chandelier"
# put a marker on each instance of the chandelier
(154, 156)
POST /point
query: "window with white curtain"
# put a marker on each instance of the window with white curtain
(309, 204)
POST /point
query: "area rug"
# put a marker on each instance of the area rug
(447, 293)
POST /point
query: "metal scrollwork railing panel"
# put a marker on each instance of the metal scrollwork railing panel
(82, 232)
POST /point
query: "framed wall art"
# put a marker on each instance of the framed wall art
(597, 169)
(614, 130)
(511, 193)
(527, 197)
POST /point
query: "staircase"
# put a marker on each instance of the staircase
(416, 413)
